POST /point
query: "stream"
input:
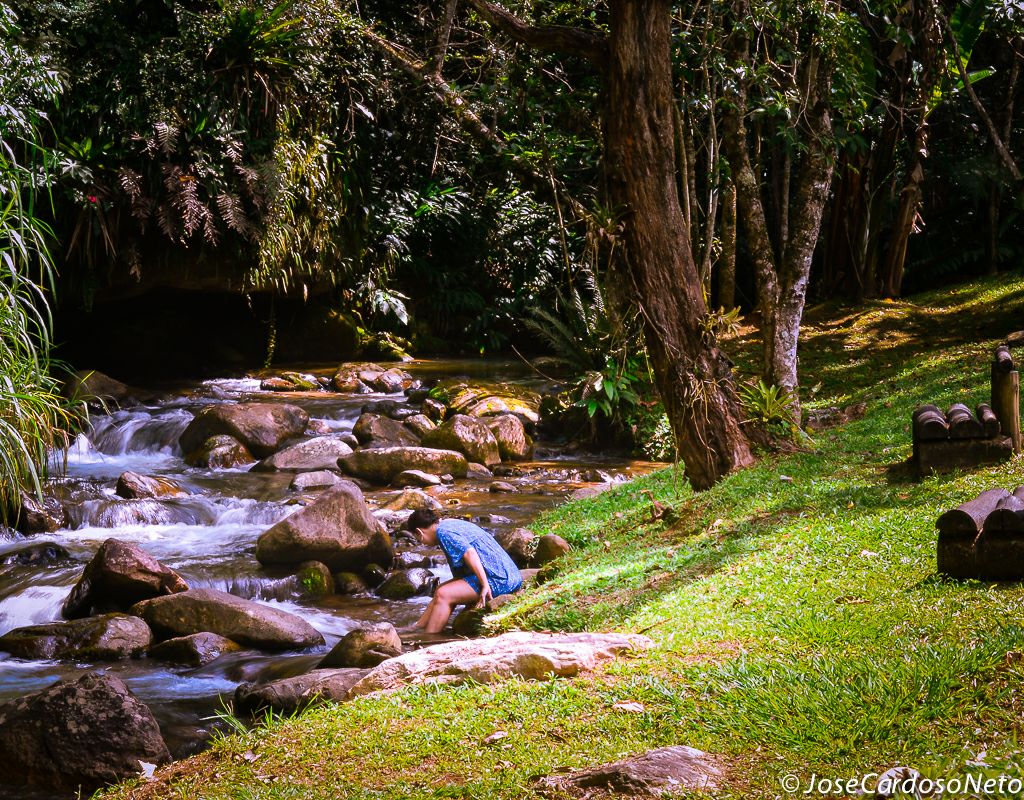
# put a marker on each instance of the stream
(209, 537)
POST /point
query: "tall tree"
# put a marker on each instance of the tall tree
(693, 376)
(781, 253)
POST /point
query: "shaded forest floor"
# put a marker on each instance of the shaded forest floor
(800, 624)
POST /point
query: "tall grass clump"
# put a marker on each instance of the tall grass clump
(33, 417)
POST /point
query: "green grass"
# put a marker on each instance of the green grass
(799, 623)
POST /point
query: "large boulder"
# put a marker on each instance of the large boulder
(383, 465)
(261, 427)
(513, 442)
(120, 575)
(133, 486)
(468, 436)
(97, 389)
(242, 621)
(374, 430)
(365, 647)
(107, 637)
(533, 656)
(667, 770)
(518, 543)
(219, 452)
(40, 516)
(78, 734)
(194, 650)
(322, 452)
(289, 695)
(337, 528)
(487, 400)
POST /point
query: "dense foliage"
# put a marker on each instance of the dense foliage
(32, 414)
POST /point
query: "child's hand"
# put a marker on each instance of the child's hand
(485, 597)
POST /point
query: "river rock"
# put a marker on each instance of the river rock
(219, 452)
(315, 579)
(412, 499)
(434, 410)
(118, 576)
(420, 424)
(365, 647)
(107, 637)
(337, 528)
(349, 583)
(518, 543)
(470, 620)
(320, 479)
(289, 695)
(97, 388)
(373, 430)
(382, 465)
(468, 436)
(78, 734)
(393, 521)
(528, 655)
(194, 650)
(667, 770)
(478, 472)
(40, 516)
(549, 547)
(488, 400)
(322, 452)
(374, 376)
(405, 583)
(242, 621)
(290, 382)
(43, 553)
(261, 427)
(393, 409)
(133, 486)
(416, 477)
(513, 443)
(502, 487)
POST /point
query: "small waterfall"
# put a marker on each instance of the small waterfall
(139, 431)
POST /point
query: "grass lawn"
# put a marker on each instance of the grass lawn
(800, 625)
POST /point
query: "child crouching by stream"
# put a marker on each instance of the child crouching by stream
(482, 568)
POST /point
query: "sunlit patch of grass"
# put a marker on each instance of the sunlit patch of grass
(798, 621)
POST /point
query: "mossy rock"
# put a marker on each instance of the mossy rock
(487, 399)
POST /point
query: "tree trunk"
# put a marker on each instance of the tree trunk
(693, 377)
(727, 267)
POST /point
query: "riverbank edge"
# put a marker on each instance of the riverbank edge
(801, 629)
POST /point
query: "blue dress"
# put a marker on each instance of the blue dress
(456, 536)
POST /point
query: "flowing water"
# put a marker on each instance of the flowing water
(210, 539)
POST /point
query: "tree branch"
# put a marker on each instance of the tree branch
(997, 140)
(549, 38)
(543, 185)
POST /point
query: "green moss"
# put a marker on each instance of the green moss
(799, 621)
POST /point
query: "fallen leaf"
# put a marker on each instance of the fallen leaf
(629, 706)
(497, 736)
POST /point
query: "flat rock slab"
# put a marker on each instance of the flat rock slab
(106, 637)
(289, 695)
(242, 621)
(656, 772)
(533, 656)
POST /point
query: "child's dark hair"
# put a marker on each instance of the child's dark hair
(422, 518)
